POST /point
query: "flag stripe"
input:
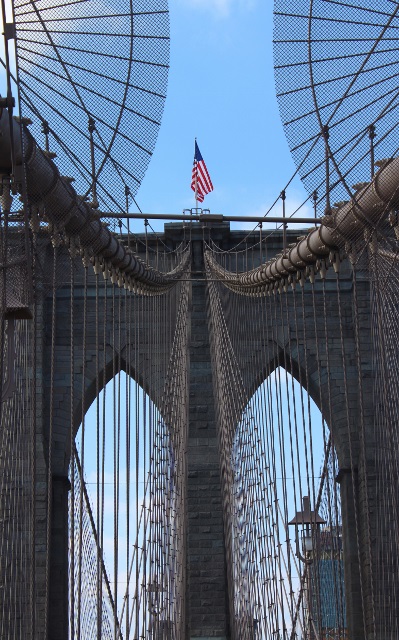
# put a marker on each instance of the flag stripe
(205, 175)
(204, 183)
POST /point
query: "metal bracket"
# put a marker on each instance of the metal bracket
(9, 30)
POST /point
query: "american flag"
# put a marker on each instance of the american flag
(201, 182)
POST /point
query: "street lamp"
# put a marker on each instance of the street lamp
(309, 521)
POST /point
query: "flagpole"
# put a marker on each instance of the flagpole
(196, 174)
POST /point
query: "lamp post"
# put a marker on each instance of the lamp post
(307, 524)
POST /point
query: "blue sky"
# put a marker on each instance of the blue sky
(221, 90)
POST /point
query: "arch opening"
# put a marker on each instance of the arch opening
(286, 525)
(125, 569)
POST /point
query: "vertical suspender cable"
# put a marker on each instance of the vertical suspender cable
(72, 454)
(82, 453)
(50, 440)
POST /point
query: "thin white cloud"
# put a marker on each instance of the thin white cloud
(219, 8)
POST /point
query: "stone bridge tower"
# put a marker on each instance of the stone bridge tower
(208, 602)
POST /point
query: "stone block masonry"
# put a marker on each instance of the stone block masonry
(207, 599)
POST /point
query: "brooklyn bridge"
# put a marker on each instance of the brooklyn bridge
(199, 427)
